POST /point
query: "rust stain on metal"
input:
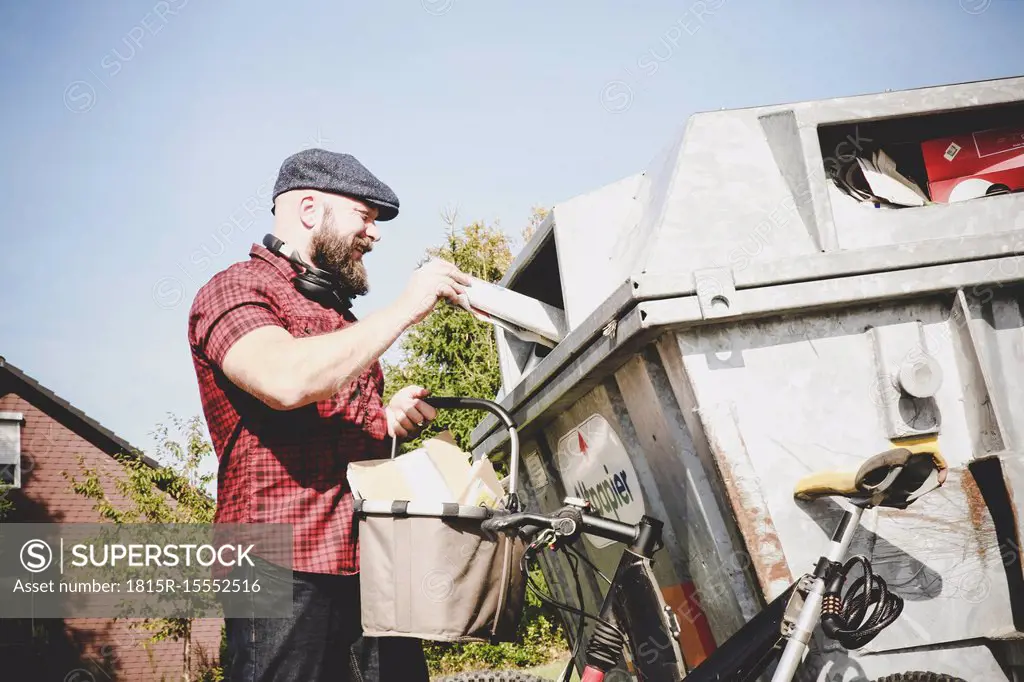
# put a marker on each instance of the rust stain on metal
(755, 524)
(976, 508)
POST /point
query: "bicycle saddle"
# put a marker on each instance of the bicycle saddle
(894, 478)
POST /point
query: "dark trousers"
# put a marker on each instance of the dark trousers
(321, 642)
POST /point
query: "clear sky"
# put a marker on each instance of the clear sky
(140, 138)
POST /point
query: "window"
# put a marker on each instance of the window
(10, 448)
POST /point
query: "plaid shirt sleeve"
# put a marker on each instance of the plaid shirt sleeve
(231, 306)
(226, 310)
(374, 418)
(360, 403)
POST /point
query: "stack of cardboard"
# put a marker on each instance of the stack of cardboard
(438, 471)
(874, 177)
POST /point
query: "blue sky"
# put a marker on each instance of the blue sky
(140, 138)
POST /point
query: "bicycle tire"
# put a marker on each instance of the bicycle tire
(492, 676)
(919, 676)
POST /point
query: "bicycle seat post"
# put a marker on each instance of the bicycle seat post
(803, 629)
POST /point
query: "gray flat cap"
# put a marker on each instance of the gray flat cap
(336, 173)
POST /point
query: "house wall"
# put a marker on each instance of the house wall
(101, 650)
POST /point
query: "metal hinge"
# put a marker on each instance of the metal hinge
(795, 605)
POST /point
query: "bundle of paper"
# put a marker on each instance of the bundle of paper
(436, 472)
(520, 315)
(875, 179)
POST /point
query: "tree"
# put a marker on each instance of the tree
(454, 354)
(539, 214)
(451, 352)
(176, 493)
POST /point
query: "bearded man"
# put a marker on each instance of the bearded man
(291, 388)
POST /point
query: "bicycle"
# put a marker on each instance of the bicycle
(781, 632)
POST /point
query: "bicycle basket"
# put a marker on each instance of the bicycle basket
(428, 571)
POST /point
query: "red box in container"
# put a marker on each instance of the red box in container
(974, 165)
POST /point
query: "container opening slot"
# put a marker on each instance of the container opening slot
(911, 161)
(539, 278)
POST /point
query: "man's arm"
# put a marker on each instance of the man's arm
(286, 372)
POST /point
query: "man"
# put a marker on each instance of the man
(291, 389)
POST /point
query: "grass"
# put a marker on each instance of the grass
(553, 669)
(549, 671)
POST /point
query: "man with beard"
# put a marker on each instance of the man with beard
(291, 388)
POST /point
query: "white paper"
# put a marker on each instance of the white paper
(887, 187)
(438, 471)
(521, 315)
(428, 483)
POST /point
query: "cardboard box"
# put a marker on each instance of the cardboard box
(437, 471)
(975, 165)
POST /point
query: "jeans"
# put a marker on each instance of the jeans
(322, 640)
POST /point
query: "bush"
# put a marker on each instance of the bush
(539, 640)
(6, 506)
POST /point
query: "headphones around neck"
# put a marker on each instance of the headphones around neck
(313, 283)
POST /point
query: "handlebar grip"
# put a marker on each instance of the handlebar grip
(493, 525)
(458, 403)
(522, 520)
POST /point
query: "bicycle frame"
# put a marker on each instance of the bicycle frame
(633, 596)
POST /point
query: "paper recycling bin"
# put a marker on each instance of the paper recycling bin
(768, 299)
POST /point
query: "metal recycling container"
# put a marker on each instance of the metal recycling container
(735, 321)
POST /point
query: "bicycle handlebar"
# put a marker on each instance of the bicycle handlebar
(567, 521)
(590, 524)
(457, 403)
(460, 403)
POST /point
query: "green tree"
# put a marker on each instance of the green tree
(175, 493)
(451, 352)
(454, 354)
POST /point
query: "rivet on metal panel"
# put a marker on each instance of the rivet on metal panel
(716, 292)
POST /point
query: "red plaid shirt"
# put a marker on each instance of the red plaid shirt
(284, 466)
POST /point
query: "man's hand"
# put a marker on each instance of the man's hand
(407, 413)
(434, 280)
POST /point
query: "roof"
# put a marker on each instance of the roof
(89, 428)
